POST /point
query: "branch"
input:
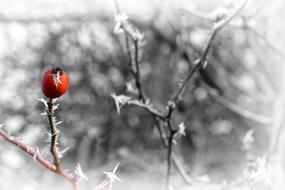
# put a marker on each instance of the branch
(169, 152)
(137, 74)
(49, 19)
(181, 170)
(243, 112)
(44, 162)
(148, 107)
(265, 40)
(203, 58)
(28, 150)
(133, 35)
(53, 133)
(212, 17)
(54, 142)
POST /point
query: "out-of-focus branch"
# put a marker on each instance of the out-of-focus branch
(49, 19)
(181, 170)
(212, 17)
(265, 40)
(241, 111)
(203, 58)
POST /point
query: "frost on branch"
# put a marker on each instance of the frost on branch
(120, 101)
(122, 25)
(44, 101)
(111, 178)
(60, 153)
(203, 179)
(181, 130)
(248, 139)
(120, 19)
(260, 172)
(112, 175)
(79, 173)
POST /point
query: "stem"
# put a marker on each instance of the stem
(169, 154)
(53, 146)
(53, 131)
(129, 52)
(44, 162)
(167, 117)
(215, 29)
(28, 150)
(137, 74)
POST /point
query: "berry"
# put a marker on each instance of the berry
(55, 82)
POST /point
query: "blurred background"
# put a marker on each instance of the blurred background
(241, 89)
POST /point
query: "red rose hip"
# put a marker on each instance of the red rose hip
(55, 82)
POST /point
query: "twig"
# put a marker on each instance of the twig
(137, 74)
(53, 143)
(266, 41)
(134, 62)
(148, 108)
(44, 162)
(181, 170)
(243, 112)
(169, 152)
(244, 25)
(203, 58)
(28, 150)
(53, 133)
(167, 117)
(129, 51)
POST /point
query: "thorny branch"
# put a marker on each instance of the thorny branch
(54, 142)
(166, 117)
(242, 25)
(53, 133)
(37, 156)
(202, 61)
(55, 166)
(28, 150)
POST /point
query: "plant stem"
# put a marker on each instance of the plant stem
(53, 132)
(169, 154)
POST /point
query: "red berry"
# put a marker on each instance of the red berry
(55, 82)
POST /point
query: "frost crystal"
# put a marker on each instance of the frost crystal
(79, 173)
(112, 176)
(120, 19)
(39, 153)
(60, 153)
(57, 123)
(107, 185)
(55, 107)
(204, 179)
(43, 101)
(120, 101)
(103, 186)
(181, 130)
(260, 172)
(138, 35)
(248, 139)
